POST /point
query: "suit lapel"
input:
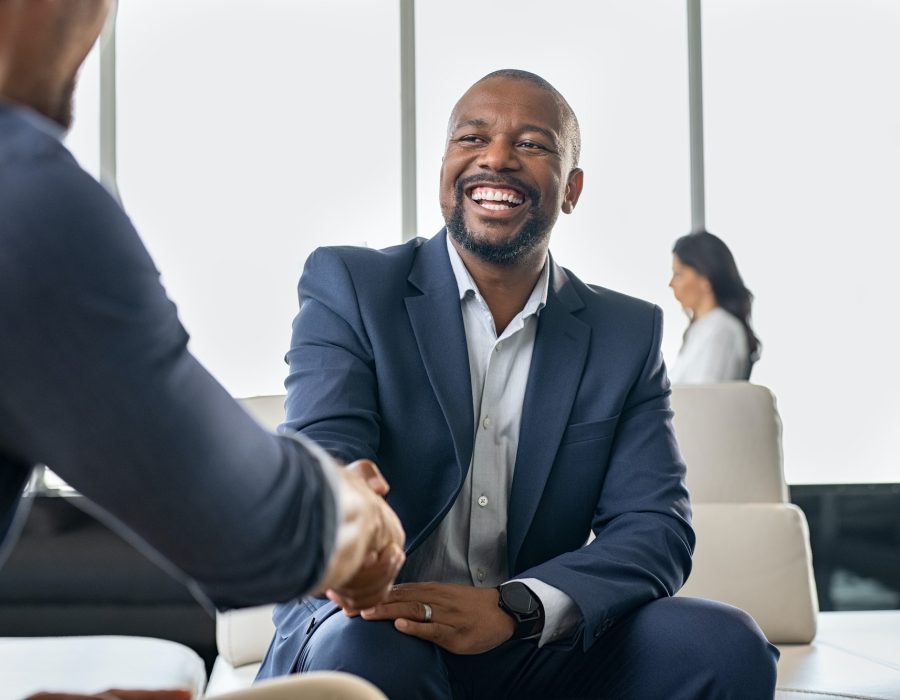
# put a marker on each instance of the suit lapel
(437, 324)
(560, 352)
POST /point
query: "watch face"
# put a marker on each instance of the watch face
(517, 597)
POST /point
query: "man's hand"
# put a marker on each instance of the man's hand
(464, 619)
(119, 695)
(372, 582)
(369, 551)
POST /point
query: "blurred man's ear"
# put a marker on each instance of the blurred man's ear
(573, 190)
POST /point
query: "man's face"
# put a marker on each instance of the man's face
(507, 170)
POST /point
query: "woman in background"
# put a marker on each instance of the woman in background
(719, 343)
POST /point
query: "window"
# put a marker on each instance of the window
(802, 175)
(249, 134)
(84, 138)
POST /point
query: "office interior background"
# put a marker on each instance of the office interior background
(245, 138)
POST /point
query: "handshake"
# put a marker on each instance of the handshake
(368, 553)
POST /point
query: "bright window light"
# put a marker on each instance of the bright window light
(84, 138)
(802, 173)
(249, 134)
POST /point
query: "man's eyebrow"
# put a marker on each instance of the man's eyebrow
(542, 130)
(477, 122)
(470, 122)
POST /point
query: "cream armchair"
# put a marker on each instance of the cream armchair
(750, 541)
(753, 549)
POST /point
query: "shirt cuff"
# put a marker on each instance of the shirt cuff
(561, 614)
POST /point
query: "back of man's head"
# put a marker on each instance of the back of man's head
(42, 45)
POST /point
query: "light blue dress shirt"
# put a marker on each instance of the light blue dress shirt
(469, 546)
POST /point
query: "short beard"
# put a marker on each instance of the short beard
(63, 114)
(535, 230)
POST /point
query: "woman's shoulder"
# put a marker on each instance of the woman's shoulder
(719, 322)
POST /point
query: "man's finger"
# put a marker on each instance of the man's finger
(418, 593)
(372, 585)
(429, 631)
(371, 475)
(394, 611)
(335, 598)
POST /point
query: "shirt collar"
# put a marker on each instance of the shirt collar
(35, 119)
(467, 286)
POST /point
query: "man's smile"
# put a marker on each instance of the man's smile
(493, 198)
(496, 198)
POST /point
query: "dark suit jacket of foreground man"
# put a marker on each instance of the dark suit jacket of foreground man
(96, 381)
(379, 369)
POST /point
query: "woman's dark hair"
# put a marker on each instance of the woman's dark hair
(710, 257)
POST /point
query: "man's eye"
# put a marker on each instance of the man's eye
(470, 138)
(532, 145)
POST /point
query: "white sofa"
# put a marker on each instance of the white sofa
(752, 552)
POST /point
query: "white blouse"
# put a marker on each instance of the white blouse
(715, 349)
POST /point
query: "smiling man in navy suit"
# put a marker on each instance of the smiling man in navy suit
(514, 410)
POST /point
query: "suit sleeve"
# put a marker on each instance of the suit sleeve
(99, 385)
(332, 394)
(643, 538)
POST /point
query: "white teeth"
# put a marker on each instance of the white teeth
(492, 195)
(495, 207)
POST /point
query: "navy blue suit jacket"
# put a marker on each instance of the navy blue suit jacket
(97, 382)
(379, 370)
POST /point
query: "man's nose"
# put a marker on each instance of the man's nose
(499, 154)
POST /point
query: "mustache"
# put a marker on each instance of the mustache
(465, 183)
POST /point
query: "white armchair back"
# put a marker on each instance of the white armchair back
(730, 437)
(752, 546)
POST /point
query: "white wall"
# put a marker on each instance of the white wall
(251, 132)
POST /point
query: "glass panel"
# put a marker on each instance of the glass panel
(84, 138)
(251, 132)
(803, 171)
(623, 68)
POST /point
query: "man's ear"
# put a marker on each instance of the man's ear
(573, 190)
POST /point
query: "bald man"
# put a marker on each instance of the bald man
(515, 410)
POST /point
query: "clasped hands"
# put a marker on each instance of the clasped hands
(369, 551)
(460, 619)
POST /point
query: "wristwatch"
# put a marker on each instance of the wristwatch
(523, 606)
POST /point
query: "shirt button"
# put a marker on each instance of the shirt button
(480, 574)
(486, 423)
(498, 347)
(482, 501)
